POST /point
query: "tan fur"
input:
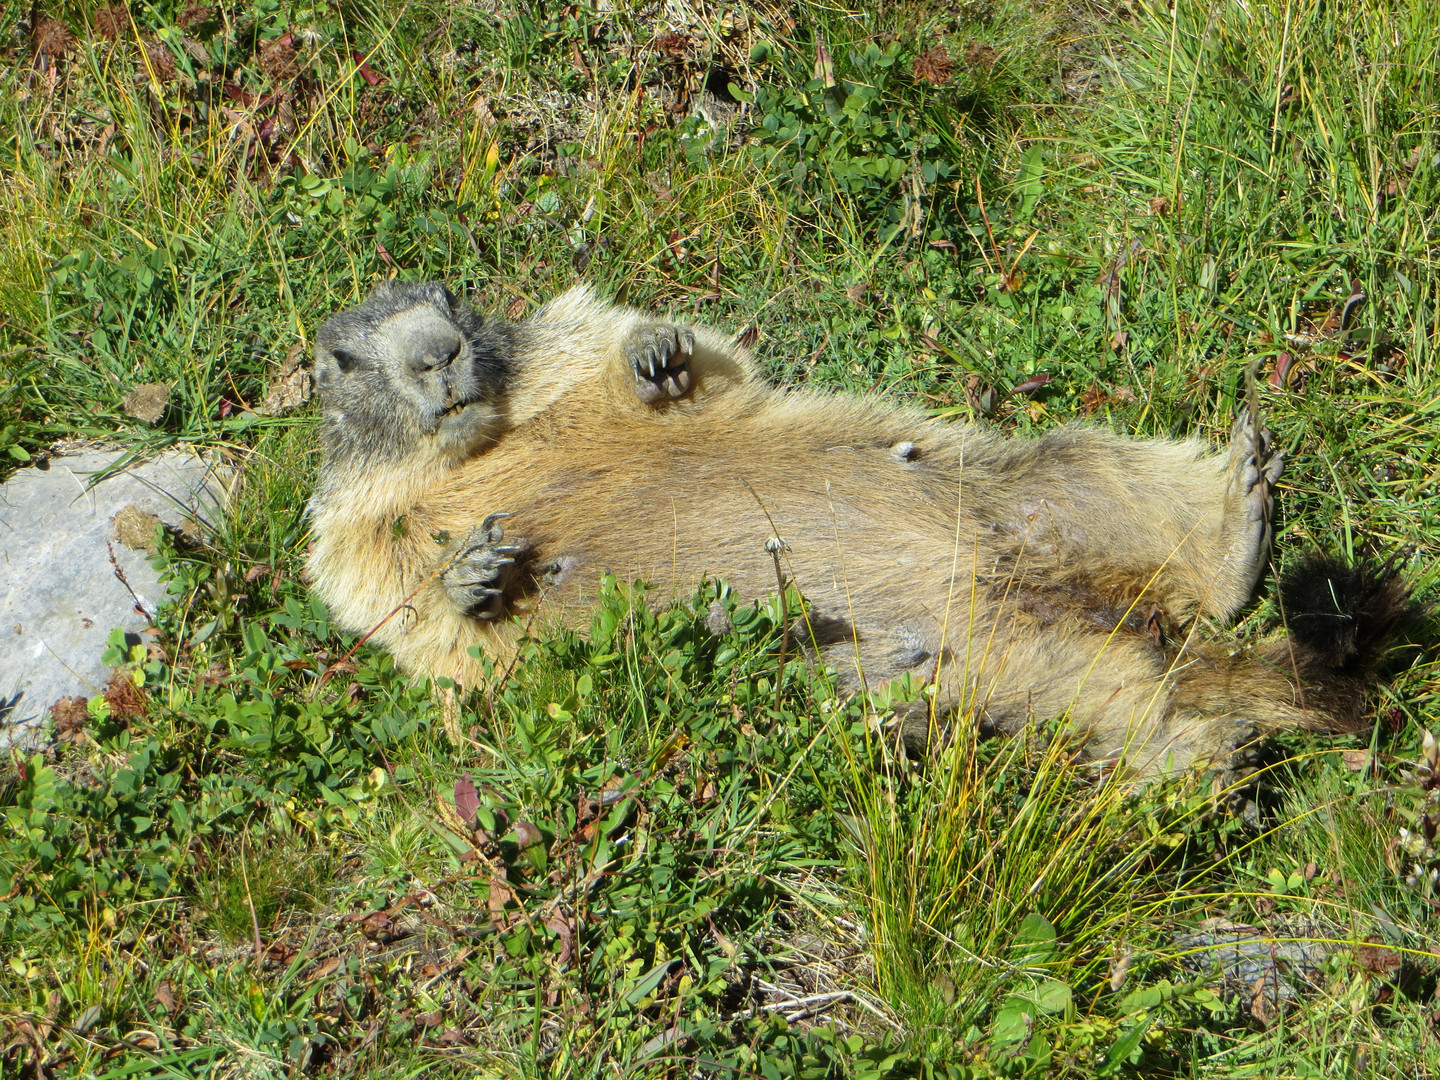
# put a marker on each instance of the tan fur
(1020, 576)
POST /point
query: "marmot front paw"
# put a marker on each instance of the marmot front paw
(659, 354)
(475, 581)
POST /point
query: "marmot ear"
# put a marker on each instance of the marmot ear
(440, 289)
(343, 359)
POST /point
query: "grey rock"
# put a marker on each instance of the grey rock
(1266, 965)
(59, 594)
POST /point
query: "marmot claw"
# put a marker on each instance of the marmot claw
(475, 581)
(659, 354)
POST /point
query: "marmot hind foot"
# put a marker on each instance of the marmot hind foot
(1256, 464)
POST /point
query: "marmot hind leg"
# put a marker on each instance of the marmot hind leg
(476, 578)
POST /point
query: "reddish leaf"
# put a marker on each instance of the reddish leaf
(365, 71)
(1035, 382)
(1282, 365)
(526, 835)
(467, 800)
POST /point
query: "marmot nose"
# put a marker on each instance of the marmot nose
(432, 350)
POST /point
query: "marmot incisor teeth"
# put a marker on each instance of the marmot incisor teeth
(1025, 578)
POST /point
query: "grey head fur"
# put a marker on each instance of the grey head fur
(411, 365)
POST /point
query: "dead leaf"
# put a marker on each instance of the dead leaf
(1282, 366)
(1356, 760)
(516, 309)
(51, 38)
(484, 115)
(500, 895)
(526, 835)
(126, 700)
(147, 401)
(1377, 959)
(856, 293)
(325, 967)
(1093, 398)
(112, 21)
(380, 928)
(293, 387)
(933, 66)
(431, 1019)
(1120, 969)
(70, 717)
(678, 251)
(981, 56)
(194, 14)
(162, 62)
(1263, 1006)
(279, 59)
(244, 130)
(558, 925)
(165, 995)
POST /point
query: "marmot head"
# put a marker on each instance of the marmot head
(411, 370)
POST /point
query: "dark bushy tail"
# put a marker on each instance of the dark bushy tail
(1342, 619)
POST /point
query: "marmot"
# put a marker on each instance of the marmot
(1022, 578)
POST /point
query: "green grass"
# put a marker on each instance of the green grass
(633, 857)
